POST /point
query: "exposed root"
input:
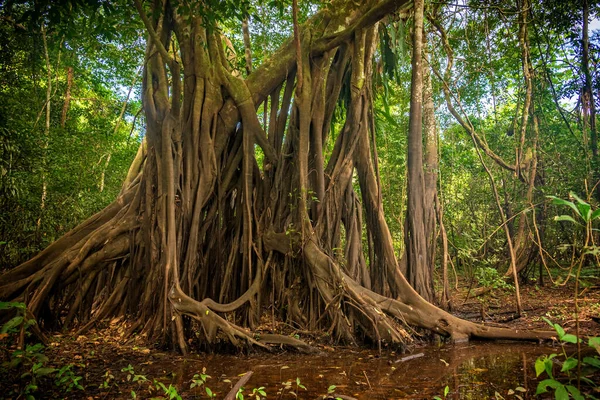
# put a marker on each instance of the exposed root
(387, 313)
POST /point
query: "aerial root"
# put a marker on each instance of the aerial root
(211, 323)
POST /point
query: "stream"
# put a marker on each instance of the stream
(471, 371)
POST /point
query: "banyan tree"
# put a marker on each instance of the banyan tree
(205, 236)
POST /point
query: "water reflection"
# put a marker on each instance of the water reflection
(474, 371)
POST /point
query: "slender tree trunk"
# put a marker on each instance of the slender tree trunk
(528, 161)
(418, 269)
(431, 165)
(588, 103)
(247, 46)
(46, 136)
(117, 124)
(65, 110)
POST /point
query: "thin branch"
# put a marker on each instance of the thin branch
(297, 45)
(155, 39)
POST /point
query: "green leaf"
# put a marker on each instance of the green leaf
(575, 392)
(11, 324)
(4, 305)
(559, 329)
(588, 381)
(568, 218)
(542, 387)
(592, 361)
(331, 389)
(539, 366)
(548, 322)
(595, 343)
(585, 210)
(569, 364)
(569, 338)
(595, 214)
(561, 202)
(561, 393)
(44, 371)
(573, 195)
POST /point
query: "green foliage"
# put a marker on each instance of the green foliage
(489, 277)
(66, 379)
(582, 210)
(29, 362)
(562, 336)
(170, 392)
(132, 376)
(70, 159)
(258, 393)
(107, 378)
(287, 386)
(569, 369)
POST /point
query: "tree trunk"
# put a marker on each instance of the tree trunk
(431, 165)
(588, 103)
(65, 110)
(419, 272)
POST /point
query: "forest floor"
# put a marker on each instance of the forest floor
(112, 366)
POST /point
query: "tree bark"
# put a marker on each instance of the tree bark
(431, 166)
(419, 272)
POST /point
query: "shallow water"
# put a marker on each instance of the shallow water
(471, 371)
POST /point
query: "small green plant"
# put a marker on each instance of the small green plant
(583, 217)
(132, 376)
(240, 394)
(67, 380)
(258, 393)
(170, 392)
(545, 365)
(200, 380)
(299, 386)
(331, 391)
(210, 393)
(446, 391)
(28, 360)
(107, 378)
(18, 322)
(287, 387)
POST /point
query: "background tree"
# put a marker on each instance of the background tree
(57, 147)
